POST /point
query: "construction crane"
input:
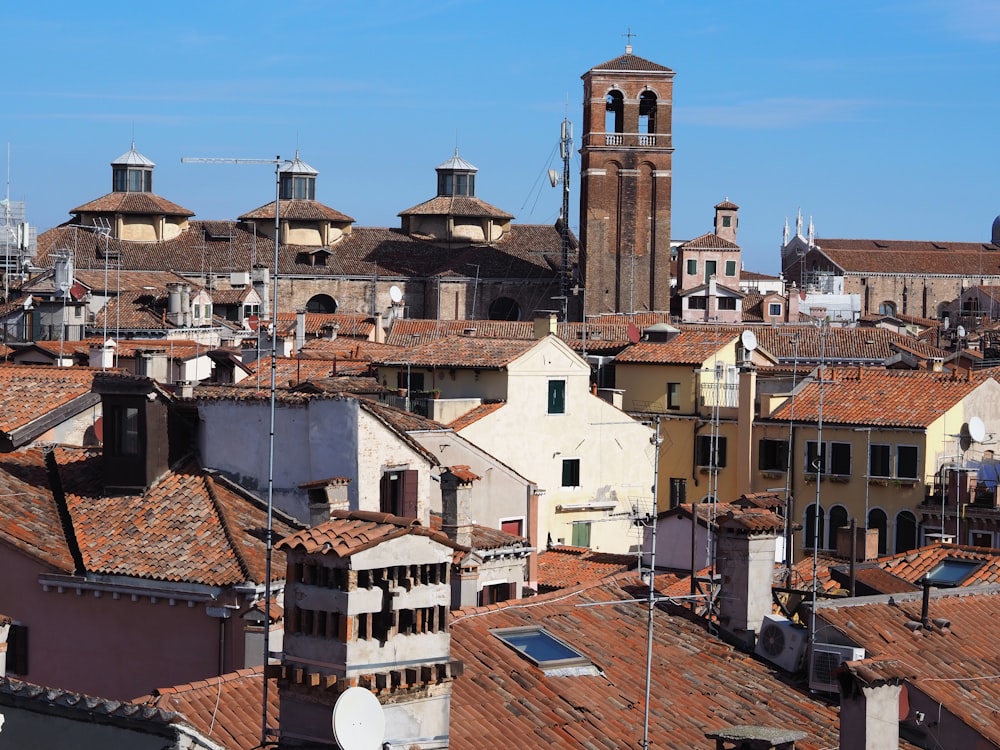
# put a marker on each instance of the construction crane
(277, 161)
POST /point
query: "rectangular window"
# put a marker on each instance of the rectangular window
(692, 267)
(497, 592)
(697, 303)
(774, 309)
(678, 491)
(571, 472)
(398, 493)
(557, 397)
(711, 455)
(727, 221)
(581, 534)
(513, 526)
(710, 266)
(829, 458)
(127, 422)
(197, 312)
(414, 381)
(880, 461)
(673, 395)
(906, 462)
(727, 303)
(730, 268)
(772, 455)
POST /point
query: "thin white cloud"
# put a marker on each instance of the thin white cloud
(772, 114)
(978, 20)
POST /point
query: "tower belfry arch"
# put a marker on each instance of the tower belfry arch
(625, 184)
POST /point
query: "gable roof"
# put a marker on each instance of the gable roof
(191, 526)
(350, 532)
(689, 347)
(564, 567)
(837, 345)
(631, 63)
(35, 398)
(709, 241)
(463, 352)
(912, 256)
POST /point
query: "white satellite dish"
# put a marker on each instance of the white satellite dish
(977, 430)
(749, 339)
(960, 331)
(395, 294)
(553, 177)
(358, 720)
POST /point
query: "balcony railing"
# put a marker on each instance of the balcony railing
(720, 394)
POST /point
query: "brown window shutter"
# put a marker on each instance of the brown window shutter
(409, 479)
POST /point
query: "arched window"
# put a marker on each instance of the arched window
(614, 119)
(504, 308)
(877, 519)
(906, 531)
(647, 112)
(838, 519)
(813, 526)
(887, 308)
(321, 303)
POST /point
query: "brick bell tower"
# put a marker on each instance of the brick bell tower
(625, 185)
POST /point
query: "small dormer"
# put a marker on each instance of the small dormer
(456, 177)
(297, 181)
(132, 173)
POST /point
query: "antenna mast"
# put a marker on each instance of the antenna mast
(565, 149)
(277, 162)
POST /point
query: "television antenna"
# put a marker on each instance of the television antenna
(278, 162)
(358, 720)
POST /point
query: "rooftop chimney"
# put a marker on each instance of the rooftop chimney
(545, 323)
(869, 704)
(456, 504)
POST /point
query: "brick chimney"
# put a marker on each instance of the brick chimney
(869, 704)
(326, 495)
(746, 544)
(456, 504)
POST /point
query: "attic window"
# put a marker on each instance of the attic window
(544, 649)
(952, 571)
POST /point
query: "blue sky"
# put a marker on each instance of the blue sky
(879, 118)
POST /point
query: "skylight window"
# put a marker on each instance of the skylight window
(544, 649)
(952, 571)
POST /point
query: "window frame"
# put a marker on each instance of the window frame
(697, 302)
(730, 264)
(774, 309)
(571, 471)
(692, 266)
(703, 448)
(727, 303)
(673, 396)
(556, 402)
(506, 636)
(772, 455)
(916, 462)
(827, 458)
(886, 460)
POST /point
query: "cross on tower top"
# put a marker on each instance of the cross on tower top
(628, 45)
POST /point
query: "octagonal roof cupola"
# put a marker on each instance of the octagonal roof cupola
(456, 177)
(132, 173)
(297, 180)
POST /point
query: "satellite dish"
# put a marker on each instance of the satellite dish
(960, 331)
(553, 177)
(358, 720)
(633, 333)
(395, 294)
(977, 430)
(749, 339)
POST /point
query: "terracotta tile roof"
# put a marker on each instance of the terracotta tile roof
(872, 396)
(140, 310)
(698, 682)
(485, 538)
(710, 241)
(318, 324)
(529, 252)
(958, 644)
(346, 348)
(483, 410)
(81, 707)
(464, 352)
(29, 393)
(689, 347)
(456, 205)
(843, 345)
(727, 205)
(757, 276)
(230, 296)
(402, 420)
(600, 336)
(225, 709)
(350, 532)
(356, 384)
(630, 62)
(132, 203)
(288, 370)
(565, 567)
(913, 257)
(191, 526)
(299, 210)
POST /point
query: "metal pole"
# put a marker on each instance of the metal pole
(651, 600)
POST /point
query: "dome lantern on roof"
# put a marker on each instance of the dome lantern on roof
(456, 177)
(132, 173)
(297, 180)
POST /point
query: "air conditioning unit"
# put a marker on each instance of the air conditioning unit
(825, 658)
(782, 642)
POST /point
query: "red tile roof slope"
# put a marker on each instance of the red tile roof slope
(225, 709)
(809, 343)
(191, 526)
(463, 352)
(913, 256)
(600, 336)
(470, 417)
(689, 347)
(29, 392)
(699, 683)
(564, 567)
(349, 532)
(955, 666)
(872, 396)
